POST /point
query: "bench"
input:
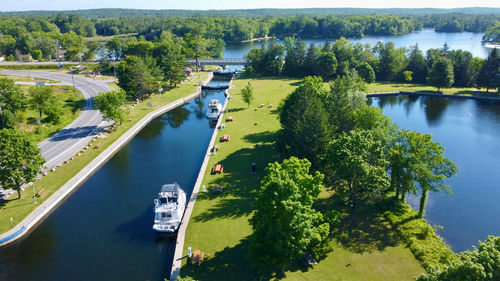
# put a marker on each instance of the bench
(217, 188)
(224, 138)
(42, 193)
(196, 256)
(215, 148)
(217, 169)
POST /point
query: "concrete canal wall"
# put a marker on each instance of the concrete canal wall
(49, 205)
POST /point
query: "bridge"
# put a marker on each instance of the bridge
(240, 61)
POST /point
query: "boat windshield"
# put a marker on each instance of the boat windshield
(164, 200)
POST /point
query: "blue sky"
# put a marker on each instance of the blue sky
(23, 5)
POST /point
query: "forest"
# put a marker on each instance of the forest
(34, 34)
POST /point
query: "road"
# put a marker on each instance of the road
(74, 137)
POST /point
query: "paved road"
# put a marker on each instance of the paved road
(76, 135)
(45, 62)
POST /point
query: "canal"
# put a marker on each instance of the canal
(104, 230)
(470, 132)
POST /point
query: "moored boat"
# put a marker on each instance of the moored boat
(169, 208)
(214, 109)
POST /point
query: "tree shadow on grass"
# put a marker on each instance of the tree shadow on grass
(238, 183)
(229, 264)
(363, 229)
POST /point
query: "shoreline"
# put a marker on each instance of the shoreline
(429, 94)
(41, 212)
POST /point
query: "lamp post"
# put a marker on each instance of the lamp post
(34, 195)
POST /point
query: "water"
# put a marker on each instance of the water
(426, 39)
(103, 231)
(470, 132)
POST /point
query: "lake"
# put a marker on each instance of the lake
(104, 230)
(426, 39)
(470, 132)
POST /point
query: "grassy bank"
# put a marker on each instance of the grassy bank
(386, 87)
(18, 209)
(365, 248)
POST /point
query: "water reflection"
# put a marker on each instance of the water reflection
(434, 108)
(176, 117)
(470, 132)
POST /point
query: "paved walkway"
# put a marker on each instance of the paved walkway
(181, 233)
(62, 193)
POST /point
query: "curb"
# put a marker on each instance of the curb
(41, 212)
(179, 244)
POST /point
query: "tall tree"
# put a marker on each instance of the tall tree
(345, 96)
(417, 64)
(356, 162)
(20, 160)
(138, 77)
(441, 73)
(12, 97)
(489, 70)
(247, 94)
(110, 104)
(41, 97)
(305, 127)
(284, 224)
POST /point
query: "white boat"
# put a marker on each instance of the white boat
(214, 109)
(169, 208)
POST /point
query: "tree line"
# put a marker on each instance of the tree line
(383, 62)
(36, 35)
(350, 147)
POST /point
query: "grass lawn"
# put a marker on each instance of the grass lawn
(18, 209)
(369, 249)
(71, 106)
(387, 87)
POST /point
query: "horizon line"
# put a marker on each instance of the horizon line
(250, 9)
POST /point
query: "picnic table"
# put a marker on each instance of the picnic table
(224, 138)
(230, 119)
(309, 260)
(217, 169)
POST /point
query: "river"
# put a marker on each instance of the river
(470, 132)
(104, 230)
(426, 39)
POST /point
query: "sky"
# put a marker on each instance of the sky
(24, 5)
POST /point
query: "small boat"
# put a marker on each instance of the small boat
(214, 109)
(169, 208)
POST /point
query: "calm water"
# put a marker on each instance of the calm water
(470, 132)
(426, 39)
(103, 231)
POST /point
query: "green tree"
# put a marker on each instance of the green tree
(490, 70)
(305, 127)
(417, 64)
(479, 264)
(20, 160)
(284, 224)
(11, 96)
(40, 98)
(247, 94)
(431, 168)
(37, 54)
(441, 73)
(110, 104)
(356, 162)
(366, 72)
(137, 77)
(345, 96)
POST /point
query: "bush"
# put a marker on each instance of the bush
(427, 247)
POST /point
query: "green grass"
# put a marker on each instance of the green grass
(18, 209)
(71, 107)
(219, 226)
(387, 87)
